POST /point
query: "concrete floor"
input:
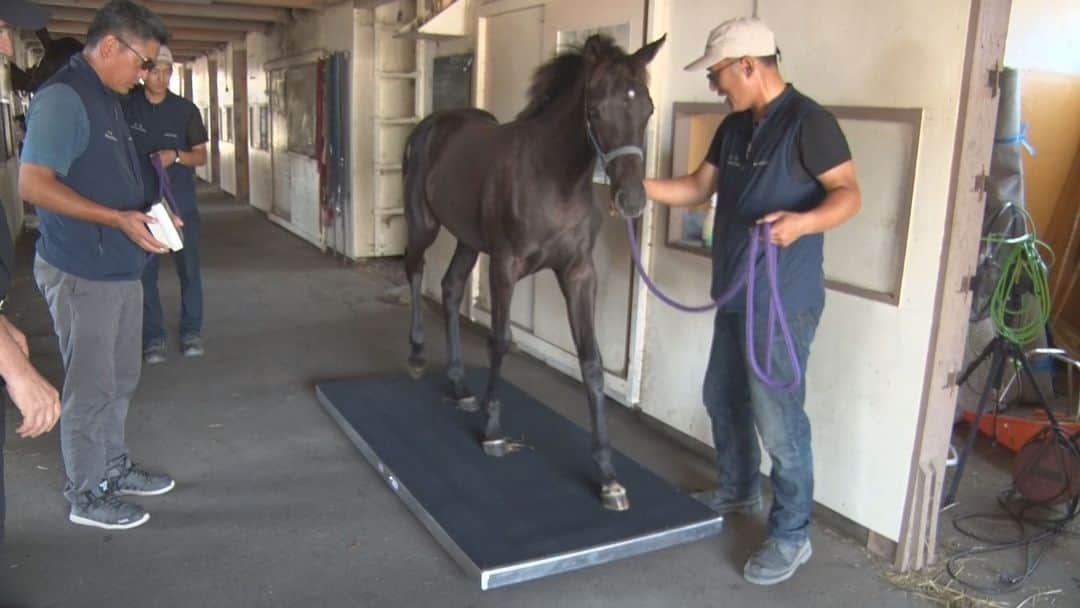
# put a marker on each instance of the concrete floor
(274, 506)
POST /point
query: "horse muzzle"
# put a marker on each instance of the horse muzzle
(630, 201)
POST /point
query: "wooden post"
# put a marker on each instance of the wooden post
(987, 27)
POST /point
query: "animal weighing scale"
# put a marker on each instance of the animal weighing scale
(531, 514)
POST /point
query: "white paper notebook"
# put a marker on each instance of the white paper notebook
(163, 227)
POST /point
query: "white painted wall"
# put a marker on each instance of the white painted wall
(1043, 36)
(225, 99)
(868, 361)
(200, 96)
(260, 47)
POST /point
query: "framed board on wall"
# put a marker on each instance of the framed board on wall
(300, 108)
(452, 82)
(884, 145)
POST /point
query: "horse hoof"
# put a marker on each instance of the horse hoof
(614, 497)
(468, 404)
(497, 447)
(416, 368)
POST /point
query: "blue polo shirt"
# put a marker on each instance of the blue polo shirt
(173, 124)
(75, 127)
(772, 166)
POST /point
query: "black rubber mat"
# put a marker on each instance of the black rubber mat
(538, 502)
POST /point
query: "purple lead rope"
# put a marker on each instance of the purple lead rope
(163, 190)
(758, 235)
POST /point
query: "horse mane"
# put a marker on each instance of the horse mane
(558, 76)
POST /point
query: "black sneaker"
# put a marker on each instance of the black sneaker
(102, 509)
(130, 480)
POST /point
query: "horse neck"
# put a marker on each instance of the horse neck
(562, 133)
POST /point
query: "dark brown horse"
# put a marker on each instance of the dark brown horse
(523, 193)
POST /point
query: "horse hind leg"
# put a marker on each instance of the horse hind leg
(453, 289)
(422, 230)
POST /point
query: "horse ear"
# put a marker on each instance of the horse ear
(648, 52)
(594, 47)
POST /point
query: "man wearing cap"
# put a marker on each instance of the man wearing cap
(170, 127)
(777, 158)
(80, 168)
(34, 396)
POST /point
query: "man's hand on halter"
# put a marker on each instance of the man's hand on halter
(785, 226)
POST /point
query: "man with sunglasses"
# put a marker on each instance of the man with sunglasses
(170, 127)
(777, 158)
(80, 168)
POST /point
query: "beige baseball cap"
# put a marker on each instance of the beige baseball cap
(741, 37)
(164, 56)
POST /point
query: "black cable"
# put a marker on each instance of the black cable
(1049, 528)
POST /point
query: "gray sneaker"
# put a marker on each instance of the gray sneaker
(776, 561)
(726, 506)
(192, 346)
(102, 509)
(154, 352)
(130, 480)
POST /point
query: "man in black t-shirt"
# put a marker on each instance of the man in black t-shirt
(778, 158)
(36, 399)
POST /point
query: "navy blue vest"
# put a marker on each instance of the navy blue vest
(756, 178)
(107, 173)
(163, 126)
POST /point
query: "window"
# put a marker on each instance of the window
(251, 127)
(690, 228)
(227, 124)
(264, 127)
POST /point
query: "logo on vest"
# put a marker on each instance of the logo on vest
(138, 126)
(172, 135)
(109, 135)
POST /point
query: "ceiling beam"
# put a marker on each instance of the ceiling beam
(176, 46)
(298, 4)
(178, 34)
(214, 11)
(86, 15)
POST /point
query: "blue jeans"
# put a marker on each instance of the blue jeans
(191, 296)
(738, 402)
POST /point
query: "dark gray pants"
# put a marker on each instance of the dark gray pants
(99, 325)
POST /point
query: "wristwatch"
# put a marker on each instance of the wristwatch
(176, 161)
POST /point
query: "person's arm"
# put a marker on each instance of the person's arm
(195, 157)
(36, 399)
(824, 154)
(842, 201)
(38, 185)
(684, 191)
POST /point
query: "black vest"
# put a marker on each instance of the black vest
(107, 173)
(756, 178)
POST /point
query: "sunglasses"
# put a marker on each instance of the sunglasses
(713, 75)
(147, 64)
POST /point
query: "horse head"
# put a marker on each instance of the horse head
(617, 109)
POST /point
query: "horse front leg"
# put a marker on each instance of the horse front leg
(578, 284)
(453, 289)
(502, 277)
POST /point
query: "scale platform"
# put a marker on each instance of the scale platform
(531, 514)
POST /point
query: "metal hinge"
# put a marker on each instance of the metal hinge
(967, 283)
(994, 80)
(982, 183)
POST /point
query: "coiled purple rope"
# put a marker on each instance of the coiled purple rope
(759, 235)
